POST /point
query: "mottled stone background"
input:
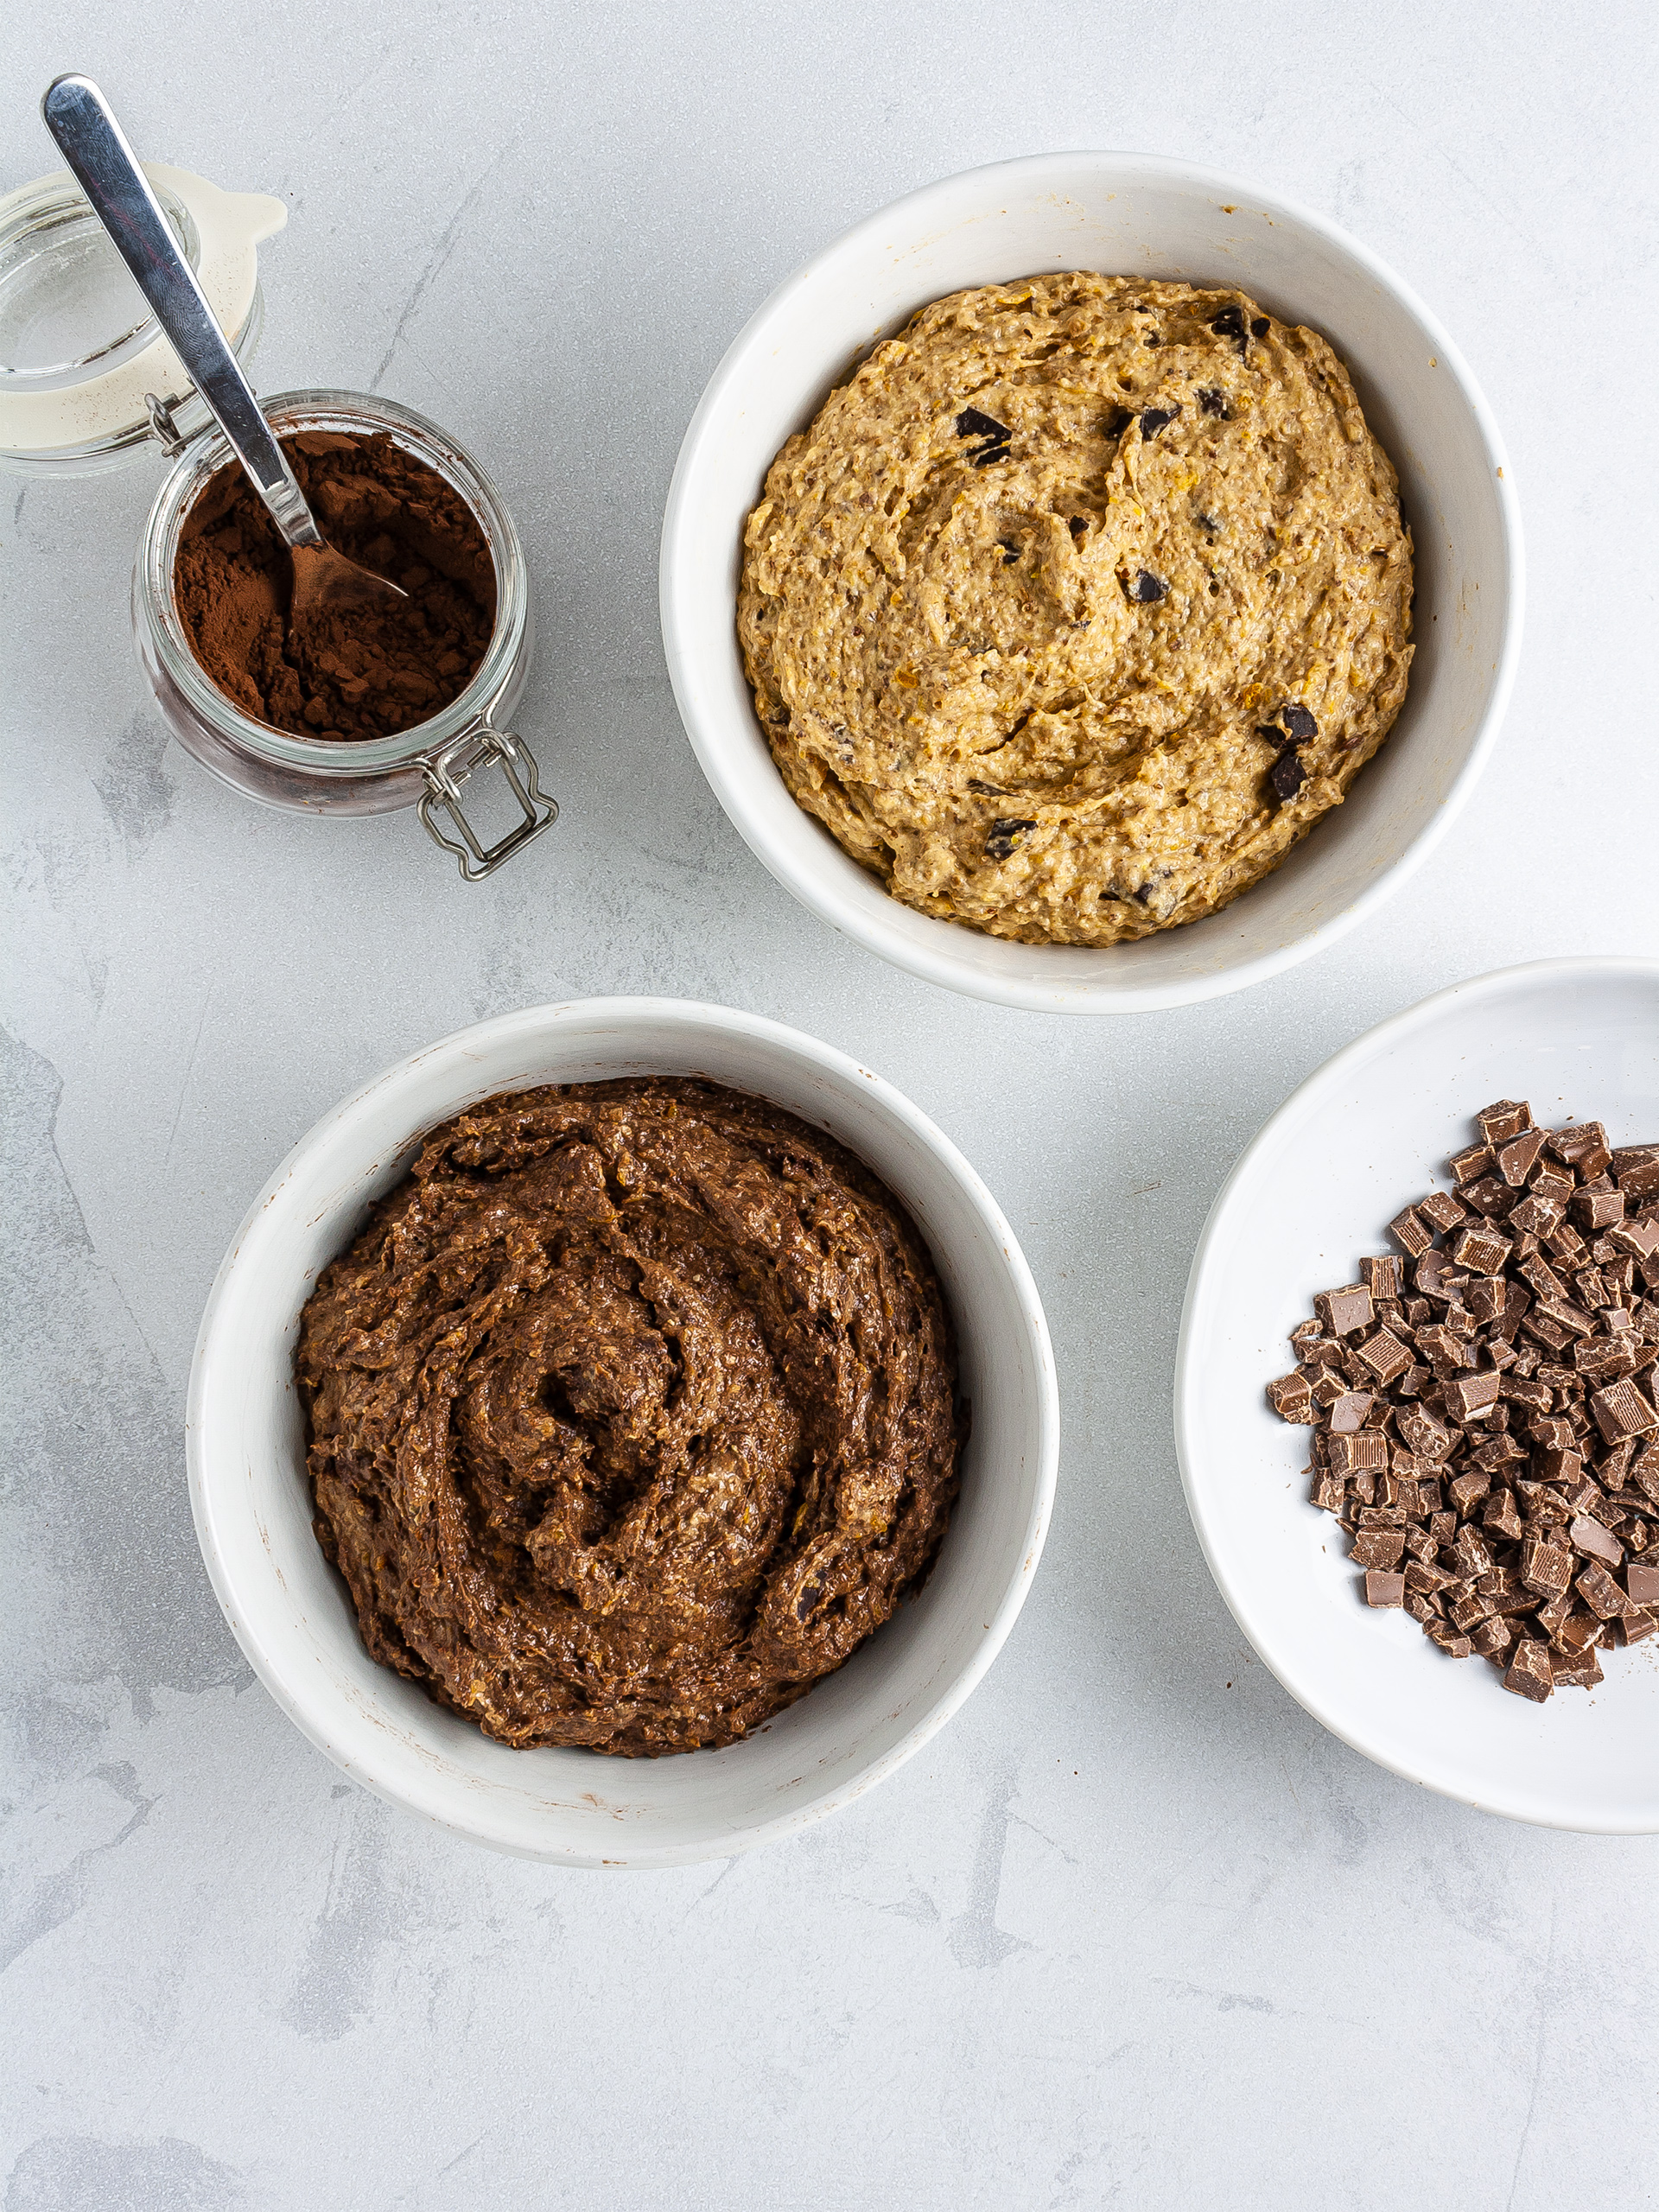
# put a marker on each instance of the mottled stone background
(1134, 1930)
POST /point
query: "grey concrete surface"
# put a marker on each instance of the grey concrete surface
(1134, 1930)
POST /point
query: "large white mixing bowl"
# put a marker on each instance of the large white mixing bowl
(290, 1611)
(1140, 215)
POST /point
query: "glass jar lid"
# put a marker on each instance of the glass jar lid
(79, 352)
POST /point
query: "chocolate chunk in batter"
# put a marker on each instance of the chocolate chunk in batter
(631, 1413)
(1005, 835)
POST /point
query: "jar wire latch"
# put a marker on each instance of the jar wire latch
(162, 428)
(447, 770)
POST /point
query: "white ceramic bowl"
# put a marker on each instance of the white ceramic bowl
(1135, 214)
(1315, 1191)
(290, 1610)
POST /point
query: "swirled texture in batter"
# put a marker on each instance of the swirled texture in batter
(1079, 604)
(631, 1413)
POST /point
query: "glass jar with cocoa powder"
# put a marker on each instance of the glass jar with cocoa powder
(423, 765)
(87, 382)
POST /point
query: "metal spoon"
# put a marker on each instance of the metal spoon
(95, 147)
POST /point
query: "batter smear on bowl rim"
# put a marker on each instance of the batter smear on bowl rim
(1079, 604)
(631, 1415)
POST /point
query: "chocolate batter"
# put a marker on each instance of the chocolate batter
(632, 1413)
(359, 674)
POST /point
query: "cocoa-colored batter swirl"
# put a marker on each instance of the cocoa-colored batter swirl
(631, 1413)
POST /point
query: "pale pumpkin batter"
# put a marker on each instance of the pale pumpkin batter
(1079, 604)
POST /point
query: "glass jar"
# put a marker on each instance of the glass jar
(81, 354)
(424, 766)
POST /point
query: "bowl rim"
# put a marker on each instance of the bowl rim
(212, 1498)
(1516, 1805)
(939, 964)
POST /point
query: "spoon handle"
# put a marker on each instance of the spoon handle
(95, 147)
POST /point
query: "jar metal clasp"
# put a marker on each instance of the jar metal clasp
(447, 770)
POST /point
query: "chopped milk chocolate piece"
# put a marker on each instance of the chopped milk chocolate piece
(1488, 1196)
(1560, 1466)
(1328, 1491)
(1639, 1236)
(1499, 1123)
(1384, 1277)
(1597, 1209)
(1544, 1567)
(1384, 1589)
(1379, 1547)
(1454, 1646)
(1502, 1518)
(1548, 1181)
(1582, 1145)
(1621, 1411)
(1466, 1491)
(1442, 1209)
(1616, 1464)
(1493, 1638)
(1539, 1216)
(1348, 1412)
(1481, 1250)
(1473, 1161)
(1530, 1674)
(1576, 1670)
(1578, 1632)
(1499, 1451)
(1411, 1232)
(1565, 1243)
(1634, 1627)
(1385, 1356)
(1601, 1593)
(1364, 1451)
(1423, 1574)
(1570, 1320)
(1470, 1552)
(1553, 1612)
(1595, 1541)
(1345, 1310)
(1603, 1359)
(1516, 1159)
(1636, 1170)
(1423, 1434)
(1468, 1396)
(1471, 1608)
(1642, 1586)
(1291, 1398)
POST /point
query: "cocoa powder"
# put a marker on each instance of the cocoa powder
(357, 674)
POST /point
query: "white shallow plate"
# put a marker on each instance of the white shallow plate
(1141, 215)
(1315, 1191)
(290, 1610)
